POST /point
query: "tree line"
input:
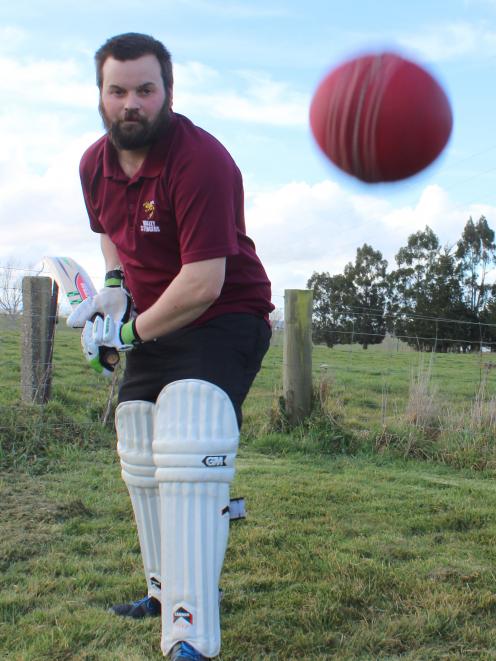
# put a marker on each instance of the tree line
(437, 298)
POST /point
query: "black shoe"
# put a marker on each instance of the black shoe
(184, 652)
(146, 607)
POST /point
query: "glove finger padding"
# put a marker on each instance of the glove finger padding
(107, 332)
(92, 351)
(113, 301)
(80, 315)
(97, 331)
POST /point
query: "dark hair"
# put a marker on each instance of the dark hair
(131, 46)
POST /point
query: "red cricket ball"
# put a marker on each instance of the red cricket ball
(381, 117)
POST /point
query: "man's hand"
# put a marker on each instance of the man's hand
(110, 333)
(114, 299)
(101, 358)
(101, 338)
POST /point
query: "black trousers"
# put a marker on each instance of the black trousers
(227, 351)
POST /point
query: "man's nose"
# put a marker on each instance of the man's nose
(132, 102)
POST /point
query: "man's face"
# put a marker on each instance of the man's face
(133, 102)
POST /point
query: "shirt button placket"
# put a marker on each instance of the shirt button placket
(131, 204)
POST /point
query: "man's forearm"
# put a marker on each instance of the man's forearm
(188, 296)
(109, 251)
(163, 318)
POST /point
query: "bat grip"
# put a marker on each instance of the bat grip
(109, 357)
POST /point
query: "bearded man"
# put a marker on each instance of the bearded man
(187, 298)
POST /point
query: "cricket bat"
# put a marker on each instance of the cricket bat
(77, 286)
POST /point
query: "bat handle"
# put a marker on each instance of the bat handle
(109, 357)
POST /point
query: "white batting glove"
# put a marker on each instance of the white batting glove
(107, 332)
(101, 358)
(114, 299)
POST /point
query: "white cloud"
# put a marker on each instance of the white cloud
(43, 139)
(43, 214)
(45, 83)
(11, 38)
(45, 104)
(191, 74)
(34, 141)
(299, 228)
(247, 97)
(452, 40)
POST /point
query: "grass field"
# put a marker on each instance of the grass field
(370, 531)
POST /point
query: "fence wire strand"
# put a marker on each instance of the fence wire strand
(389, 370)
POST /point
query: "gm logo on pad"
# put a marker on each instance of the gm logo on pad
(214, 461)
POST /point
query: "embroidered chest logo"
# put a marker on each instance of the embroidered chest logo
(149, 225)
(149, 208)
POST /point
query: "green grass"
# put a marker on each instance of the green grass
(339, 558)
(351, 550)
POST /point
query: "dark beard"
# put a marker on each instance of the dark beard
(142, 134)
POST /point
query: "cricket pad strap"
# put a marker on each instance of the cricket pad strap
(194, 447)
(134, 425)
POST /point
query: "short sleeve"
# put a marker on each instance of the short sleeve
(86, 185)
(207, 195)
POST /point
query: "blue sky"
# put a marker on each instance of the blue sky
(246, 71)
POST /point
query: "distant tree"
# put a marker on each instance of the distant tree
(10, 288)
(437, 298)
(444, 302)
(350, 307)
(408, 302)
(488, 321)
(368, 285)
(332, 321)
(476, 256)
(427, 304)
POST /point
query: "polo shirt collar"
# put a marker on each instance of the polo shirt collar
(154, 160)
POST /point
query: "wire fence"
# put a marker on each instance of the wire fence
(369, 385)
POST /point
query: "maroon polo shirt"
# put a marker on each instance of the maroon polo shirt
(184, 205)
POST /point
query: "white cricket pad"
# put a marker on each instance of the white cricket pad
(134, 424)
(194, 447)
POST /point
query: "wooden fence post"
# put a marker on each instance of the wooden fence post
(297, 354)
(39, 311)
